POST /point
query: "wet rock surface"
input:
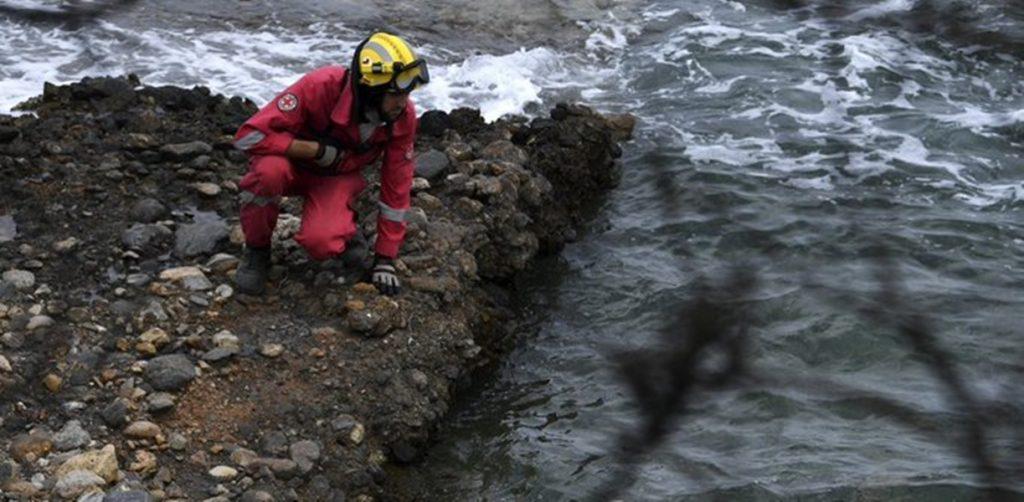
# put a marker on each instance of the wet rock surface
(130, 369)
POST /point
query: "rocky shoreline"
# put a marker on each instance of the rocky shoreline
(130, 370)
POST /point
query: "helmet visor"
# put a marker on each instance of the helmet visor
(408, 77)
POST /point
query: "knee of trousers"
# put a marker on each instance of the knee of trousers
(268, 176)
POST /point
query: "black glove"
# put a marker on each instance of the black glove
(329, 156)
(385, 277)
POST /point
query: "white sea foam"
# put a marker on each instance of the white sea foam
(258, 64)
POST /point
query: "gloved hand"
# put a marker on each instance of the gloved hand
(385, 277)
(329, 156)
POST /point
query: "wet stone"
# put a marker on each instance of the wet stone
(148, 210)
(145, 237)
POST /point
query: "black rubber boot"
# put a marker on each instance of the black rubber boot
(355, 252)
(251, 276)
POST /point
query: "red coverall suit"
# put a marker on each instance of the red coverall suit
(318, 105)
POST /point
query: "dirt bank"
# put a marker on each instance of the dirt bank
(120, 327)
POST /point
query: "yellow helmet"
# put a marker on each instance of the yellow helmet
(386, 60)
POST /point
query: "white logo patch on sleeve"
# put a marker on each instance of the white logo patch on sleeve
(288, 102)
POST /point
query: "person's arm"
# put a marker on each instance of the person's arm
(271, 131)
(395, 195)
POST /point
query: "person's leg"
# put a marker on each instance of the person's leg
(328, 221)
(269, 178)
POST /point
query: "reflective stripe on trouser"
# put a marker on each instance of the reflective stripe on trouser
(328, 220)
(390, 213)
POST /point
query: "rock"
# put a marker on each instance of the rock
(274, 443)
(71, 436)
(8, 228)
(148, 210)
(434, 123)
(155, 336)
(259, 496)
(138, 280)
(419, 379)
(433, 284)
(22, 489)
(459, 151)
(5, 365)
(505, 151)
(75, 483)
(160, 402)
(115, 414)
(39, 322)
(199, 238)
(363, 321)
(222, 263)
(190, 278)
(305, 454)
(128, 496)
(152, 311)
(281, 467)
(65, 245)
(145, 237)
(622, 125)
(101, 462)
(243, 457)
(352, 430)
(29, 447)
(219, 354)
(196, 283)
(431, 164)
(224, 292)
(20, 279)
(170, 372)
(225, 338)
(53, 383)
(186, 151)
(142, 430)
(179, 273)
(9, 133)
(208, 189)
(404, 452)
(178, 442)
(145, 462)
(223, 472)
(271, 350)
(420, 184)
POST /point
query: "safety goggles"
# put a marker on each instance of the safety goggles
(406, 77)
